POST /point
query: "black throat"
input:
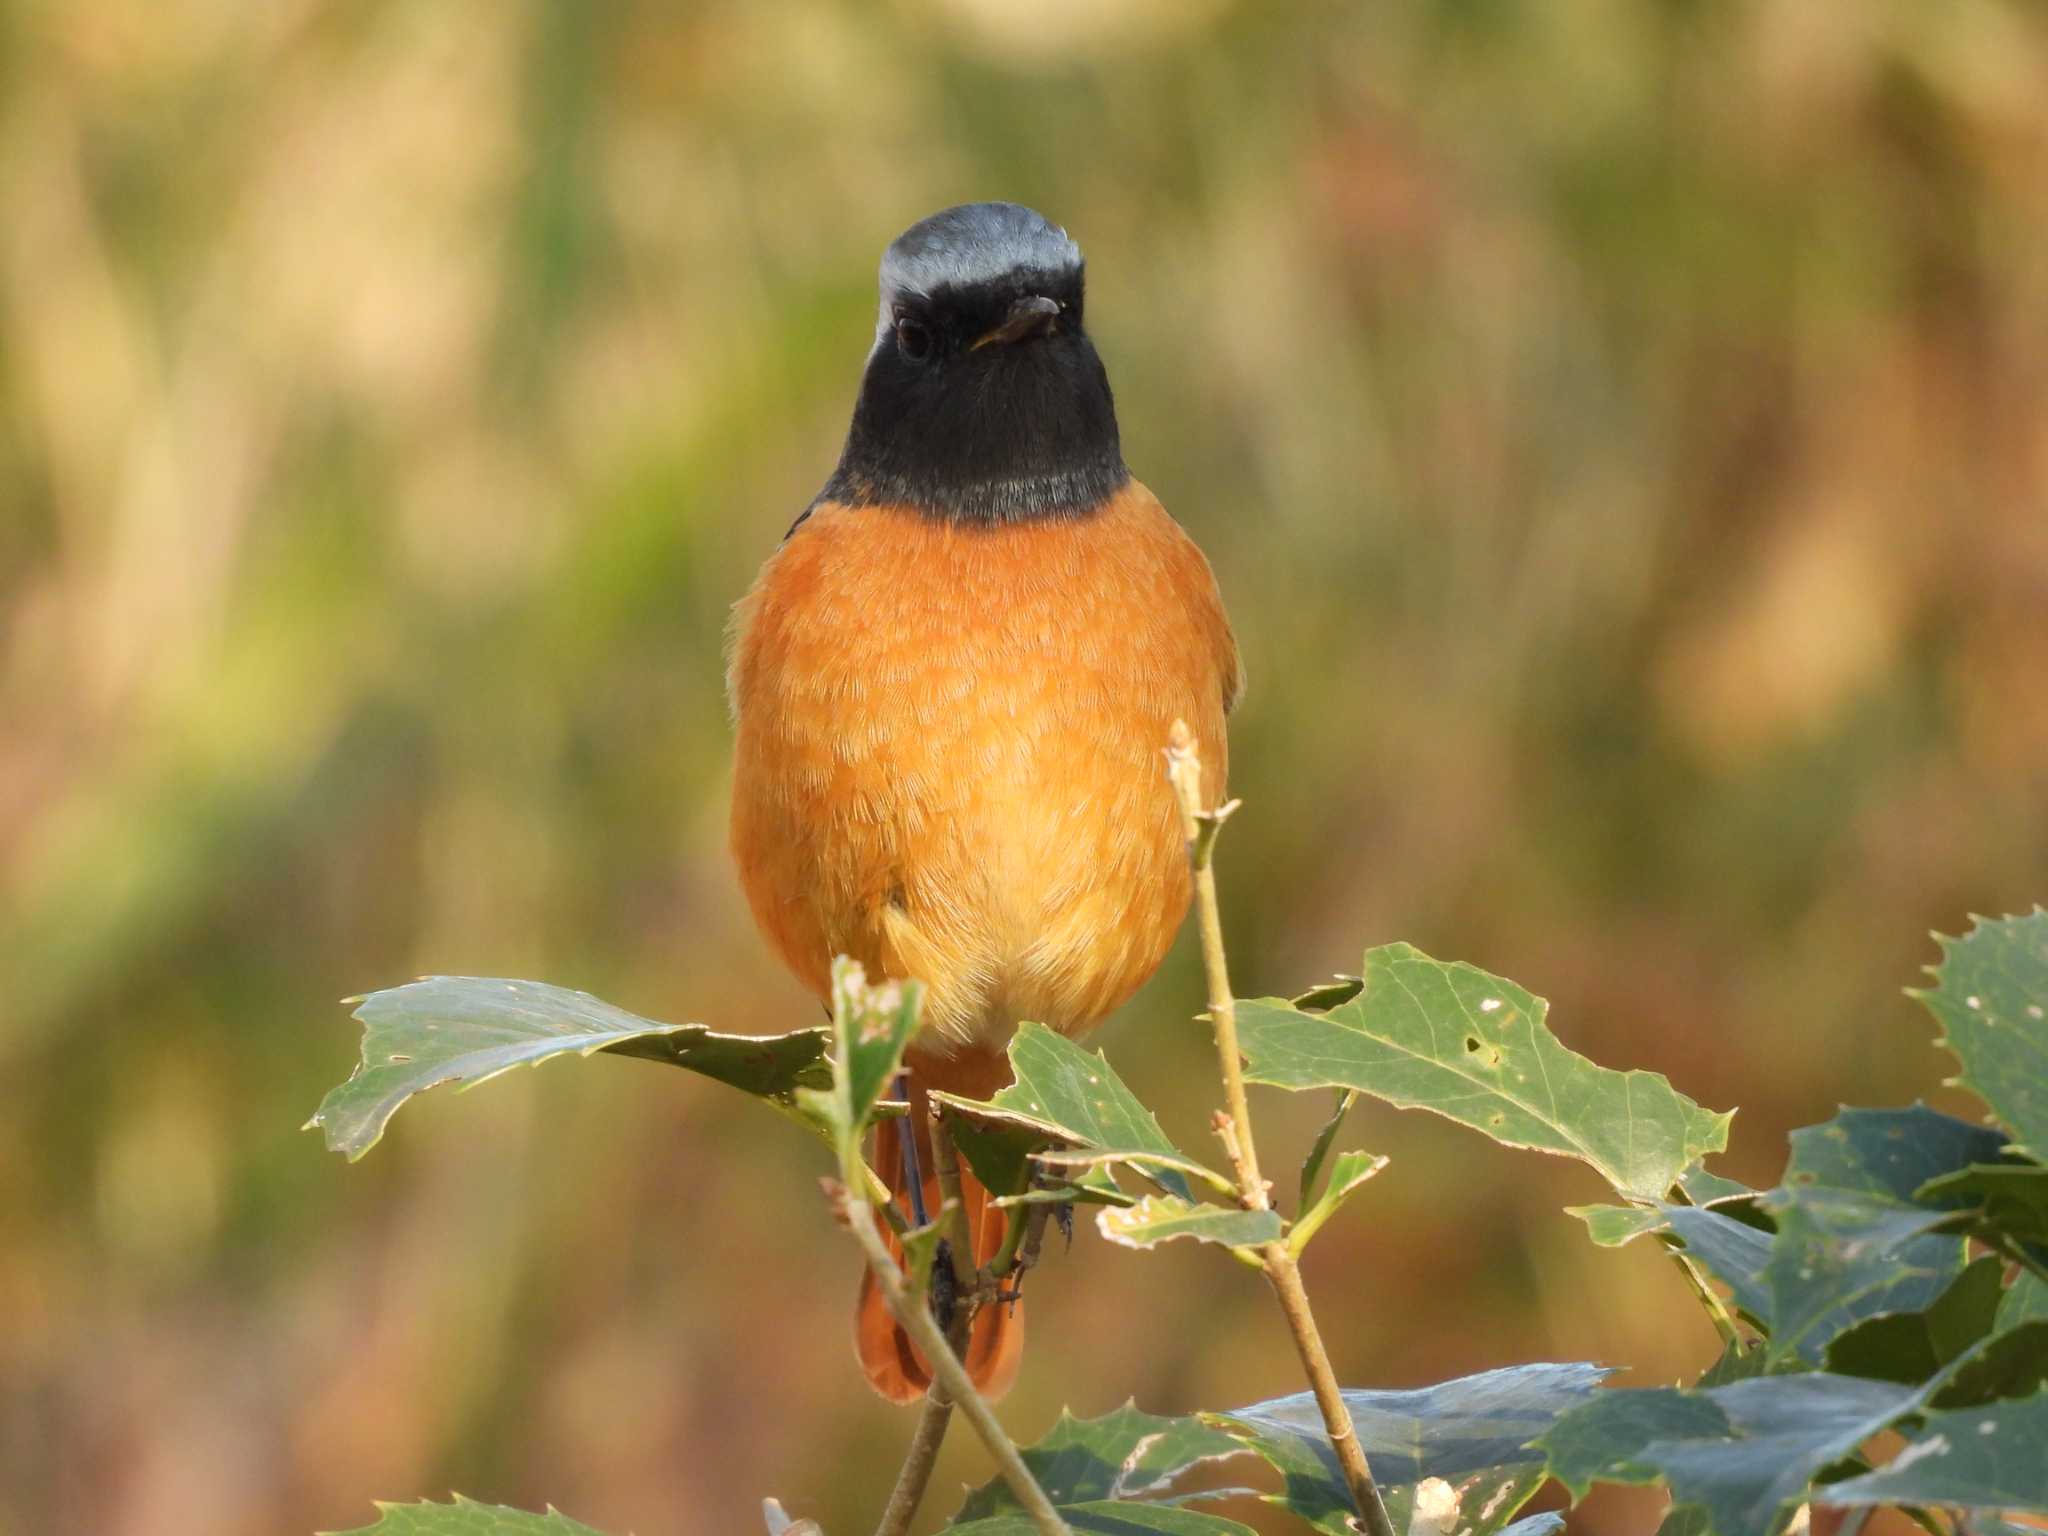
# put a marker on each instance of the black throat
(1002, 433)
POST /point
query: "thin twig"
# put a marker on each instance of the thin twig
(947, 1371)
(918, 1461)
(1184, 769)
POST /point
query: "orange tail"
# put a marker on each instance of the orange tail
(893, 1364)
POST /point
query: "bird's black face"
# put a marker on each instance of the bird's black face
(983, 400)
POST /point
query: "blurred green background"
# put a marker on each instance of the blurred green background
(1621, 434)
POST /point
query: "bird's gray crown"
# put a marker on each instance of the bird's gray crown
(974, 243)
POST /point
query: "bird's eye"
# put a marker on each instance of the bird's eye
(913, 340)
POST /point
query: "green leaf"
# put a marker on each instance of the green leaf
(1473, 1432)
(1002, 1148)
(1161, 1218)
(1125, 1455)
(1912, 1346)
(1474, 1048)
(1989, 1458)
(2025, 1302)
(1703, 1188)
(2011, 1363)
(1066, 1098)
(468, 1029)
(1734, 1252)
(1839, 1258)
(1613, 1225)
(1781, 1431)
(2004, 1203)
(1110, 1517)
(1312, 1165)
(1602, 1441)
(1853, 1239)
(1991, 996)
(1887, 1152)
(1349, 1171)
(466, 1517)
(1148, 1163)
(871, 1028)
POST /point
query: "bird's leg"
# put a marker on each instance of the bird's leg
(913, 1175)
(944, 1297)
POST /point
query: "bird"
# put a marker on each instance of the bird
(951, 685)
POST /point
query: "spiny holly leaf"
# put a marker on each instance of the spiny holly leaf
(1840, 1258)
(1473, 1432)
(2004, 1203)
(1781, 1431)
(1911, 1346)
(1161, 1218)
(1349, 1171)
(1992, 1458)
(1122, 1455)
(1887, 1152)
(466, 1517)
(1853, 1241)
(468, 1029)
(1067, 1098)
(1991, 996)
(1474, 1048)
(1777, 1433)
(1601, 1441)
(2012, 1362)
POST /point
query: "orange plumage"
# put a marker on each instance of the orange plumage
(949, 739)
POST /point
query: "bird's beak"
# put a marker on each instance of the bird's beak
(1027, 317)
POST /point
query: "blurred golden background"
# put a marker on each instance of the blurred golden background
(1620, 431)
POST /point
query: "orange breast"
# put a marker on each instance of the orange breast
(949, 753)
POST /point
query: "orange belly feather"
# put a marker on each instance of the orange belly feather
(949, 762)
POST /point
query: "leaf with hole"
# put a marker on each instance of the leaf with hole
(468, 1029)
(1475, 1049)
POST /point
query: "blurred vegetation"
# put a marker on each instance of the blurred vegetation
(1621, 432)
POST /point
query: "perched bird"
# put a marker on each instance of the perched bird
(952, 684)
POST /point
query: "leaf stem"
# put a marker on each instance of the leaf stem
(1716, 1310)
(1199, 826)
(947, 1371)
